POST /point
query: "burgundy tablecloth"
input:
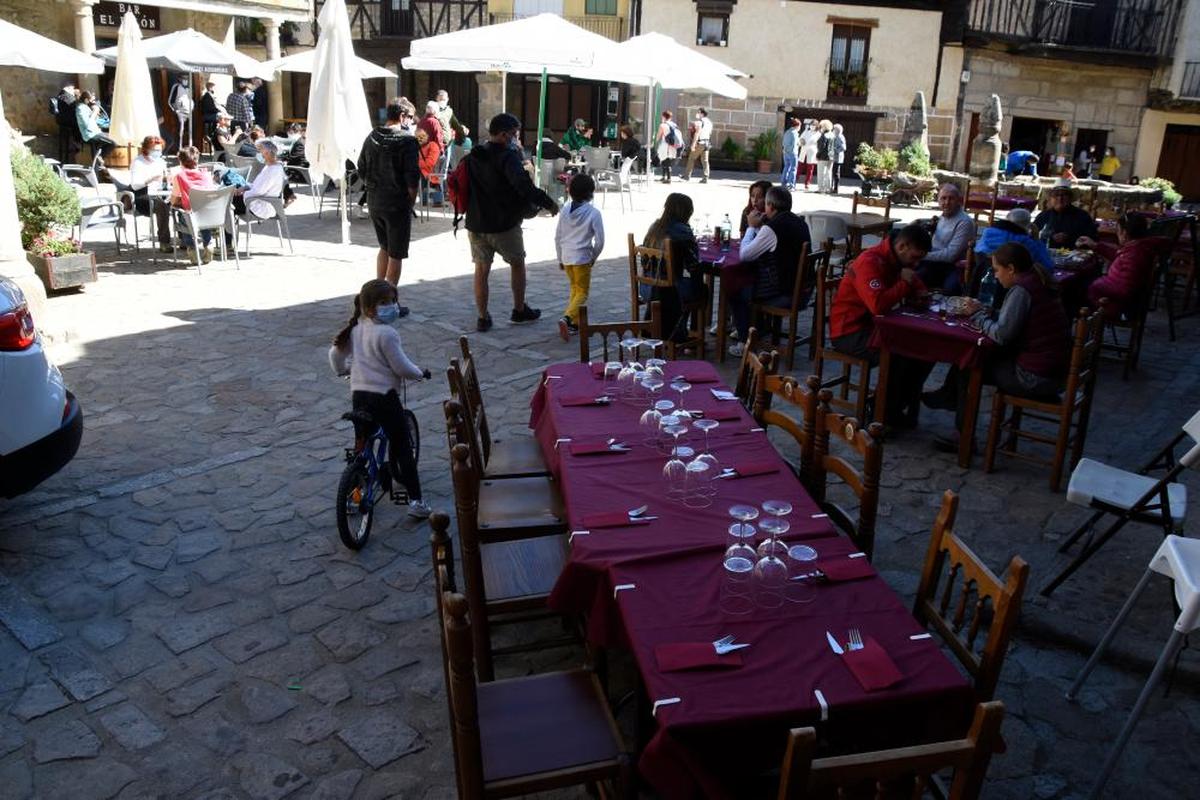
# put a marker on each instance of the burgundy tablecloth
(923, 335)
(1003, 202)
(730, 723)
(734, 276)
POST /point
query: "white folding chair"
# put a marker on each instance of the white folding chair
(621, 182)
(1129, 497)
(211, 209)
(1178, 559)
(828, 233)
(249, 220)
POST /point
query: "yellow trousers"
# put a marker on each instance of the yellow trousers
(580, 278)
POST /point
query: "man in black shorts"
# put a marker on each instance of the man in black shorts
(388, 168)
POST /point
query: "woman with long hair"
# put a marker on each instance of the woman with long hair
(672, 228)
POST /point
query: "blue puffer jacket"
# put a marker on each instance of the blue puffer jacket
(1003, 232)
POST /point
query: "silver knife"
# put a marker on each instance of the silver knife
(833, 643)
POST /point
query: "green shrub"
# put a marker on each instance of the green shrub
(732, 150)
(764, 144)
(884, 159)
(44, 201)
(1171, 197)
(914, 160)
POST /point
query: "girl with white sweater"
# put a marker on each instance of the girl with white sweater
(369, 349)
(578, 239)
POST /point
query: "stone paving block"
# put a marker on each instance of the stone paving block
(288, 597)
(244, 644)
(187, 699)
(266, 777)
(132, 729)
(344, 575)
(155, 558)
(107, 574)
(294, 660)
(75, 672)
(265, 703)
(402, 608)
(32, 628)
(380, 738)
(104, 634)
(76, 602)
(350, 638)
(212, 730)
(38, 700)
(100, 779)
(72, 740)
(328, 684)
(184, 633)
(135, 655)
(105, 700)
(207, 597)
(171, 584)
(339, 786)
(297, 571)
(216, 568)
(178, 671)
(407, 576)
(311, 547)
(11, 737)
(194, 546)
(358, 597)
(311, 617)
(313, 727)
(17, 779)
(14, 663)
(380, 661)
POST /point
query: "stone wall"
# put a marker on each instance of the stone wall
(890, 128)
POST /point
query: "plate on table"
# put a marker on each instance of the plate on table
(957, 306)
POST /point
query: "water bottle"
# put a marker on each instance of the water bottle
(727, 231)
(987, 289)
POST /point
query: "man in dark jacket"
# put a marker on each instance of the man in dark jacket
(209, 109)
(68, 129)
(388, 168)
(502, 194)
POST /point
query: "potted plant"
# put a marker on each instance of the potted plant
(48, 208)
(763, 148)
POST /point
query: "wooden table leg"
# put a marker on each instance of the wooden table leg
(966, 436)
(881, 383)
(722, 315)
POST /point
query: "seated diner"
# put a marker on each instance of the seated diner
(1062, 222)
(689, 280)
(1130, 264)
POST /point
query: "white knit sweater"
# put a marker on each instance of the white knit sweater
(374, 358)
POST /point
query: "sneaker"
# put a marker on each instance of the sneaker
(704, 180)
(737, 349)
(526, 314)
(484, 324)
(687, 177)
(564, 329)
(165, 248)
(419, 509)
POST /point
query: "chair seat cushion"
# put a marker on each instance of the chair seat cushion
(523, 568)
(543, 723)
(513, 503)
(520, 456)
(1093, 481)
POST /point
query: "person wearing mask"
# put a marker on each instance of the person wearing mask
(189, 176)
(451, 127)
(180, 101)
(670, 141)
(702, 131)
(1131, 264)
(1062, 223)
(63, 105)
(838, 151)
(501, 195)
(1083, 161)
(876, 282)
(241, 111)
(389, 169)
(808, 151)
(578, 241)
(209, 111)
(791, 150)
(89, 116)
(147, 169)
(685, 252)
(953, 231)
(1032, 333)
(269, 182)
(772, 244)
(825, 157)
(431, 125)
(1108, 165)
(577, 137)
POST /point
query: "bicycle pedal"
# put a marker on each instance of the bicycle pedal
(400, 498)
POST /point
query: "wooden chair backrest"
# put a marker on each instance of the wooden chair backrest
(442, 552)
(867, 445)
(827, 287)
(465, 479)
(884, 202)
(961, 626)
(651, 267)
(968, 276)
(803, 397)
(753, 368)
(811, 264)
(649, 328)
(461, 694)
(459, 431)
(1086, 346)
(878, 774)
(472, 398)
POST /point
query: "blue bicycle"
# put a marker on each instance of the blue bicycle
(367, 479)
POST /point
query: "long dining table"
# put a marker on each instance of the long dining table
(654, 587)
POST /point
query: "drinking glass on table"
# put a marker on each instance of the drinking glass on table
(682, 387)
(706, 425)
(770, 581)
(652, 417)
(741, 533)
(775, 526)
(802, 574)
(698, 487)
(737, 584)
(612, 369)
(655, 347)
(676, 429)
(675, 474)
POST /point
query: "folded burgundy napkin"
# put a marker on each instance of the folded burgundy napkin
(846, 569)
(592, 448)
(692, 373)
(693, 655)
(581, 400)
(609, 519)
(872, 666)
(726, 414)
(748, 468)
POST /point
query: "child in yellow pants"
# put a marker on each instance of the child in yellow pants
(578, 239)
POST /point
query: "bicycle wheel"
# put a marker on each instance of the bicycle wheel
(355, 505)
(414, 434)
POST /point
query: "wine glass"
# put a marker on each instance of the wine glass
(612, 371)
(655, 346)
(697, 492)
(774, 527)
(706, 425)
(770, 581)
(741, 533)
(736, 584)
(802, 574)
(681, 386)
(679, 428)
(675, 474)
(652, 416)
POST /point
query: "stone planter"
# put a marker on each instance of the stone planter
(729, 164)
(64, 272)
(762, 166)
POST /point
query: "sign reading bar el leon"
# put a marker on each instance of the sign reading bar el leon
(110, 14)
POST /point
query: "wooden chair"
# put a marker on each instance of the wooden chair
(525, 735)
(985, 207)
(755, 365)
(884, 202)
(997, 604)
(810, 264)
(1071, 413)
(520, 456)
(653, 270)
(509, 570)
(867, 444)
(902, 772)
(775, 389)
(970, 288)
(856, 372)
(649, 328)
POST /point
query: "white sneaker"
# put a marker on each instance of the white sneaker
(419, 509)
(737, 349)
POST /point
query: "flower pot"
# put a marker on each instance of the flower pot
(762, 166)
(64, 272)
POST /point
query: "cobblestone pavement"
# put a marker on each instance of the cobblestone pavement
(180, 620)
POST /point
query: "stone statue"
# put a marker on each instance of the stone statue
(985, 150)
(916, 127)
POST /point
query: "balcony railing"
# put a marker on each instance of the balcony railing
(847, 88)
(1190, 88)
(614, 28)
(413, 19)
(1130, 27)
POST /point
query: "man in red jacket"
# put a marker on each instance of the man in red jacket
(875, 283)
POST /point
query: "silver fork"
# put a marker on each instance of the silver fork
(856, 642)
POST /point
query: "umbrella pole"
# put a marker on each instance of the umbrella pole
(651, 116)
(503, 92)
(541, 125)
(345, 210)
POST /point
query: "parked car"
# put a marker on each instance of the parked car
(41, 422)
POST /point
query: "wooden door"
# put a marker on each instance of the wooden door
(1178, 158)
(857, 127)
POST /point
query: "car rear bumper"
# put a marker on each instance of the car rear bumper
(24, 469)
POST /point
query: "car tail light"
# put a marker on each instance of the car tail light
(17, 331)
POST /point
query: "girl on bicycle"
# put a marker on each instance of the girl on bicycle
(378, 366)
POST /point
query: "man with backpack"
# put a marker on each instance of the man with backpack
(500, 194)
(388, 168)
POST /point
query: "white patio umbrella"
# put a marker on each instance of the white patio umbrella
(133, 114)
(304, 60)
(24, 48)
(191, 51)
(338, 119)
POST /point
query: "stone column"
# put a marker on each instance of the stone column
(275, 87)
(491, 102)
(85, 39)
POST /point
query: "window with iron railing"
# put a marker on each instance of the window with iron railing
(607, 7)
(849, 54)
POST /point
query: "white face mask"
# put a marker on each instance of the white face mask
(156, 154)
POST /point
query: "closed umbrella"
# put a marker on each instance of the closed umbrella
(133, 115)
(338, 119)
(304, 60)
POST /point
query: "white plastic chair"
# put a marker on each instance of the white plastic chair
(621, 182)
(824, 228)
(436, 179)
(211, 210)
(1178, 559)
(249, 220)
(597, 162)
(1129, 497)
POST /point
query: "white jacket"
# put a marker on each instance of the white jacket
(377, 362)
(579, 237)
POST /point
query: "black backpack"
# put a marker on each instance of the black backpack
(672, 137)
(823, 147)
